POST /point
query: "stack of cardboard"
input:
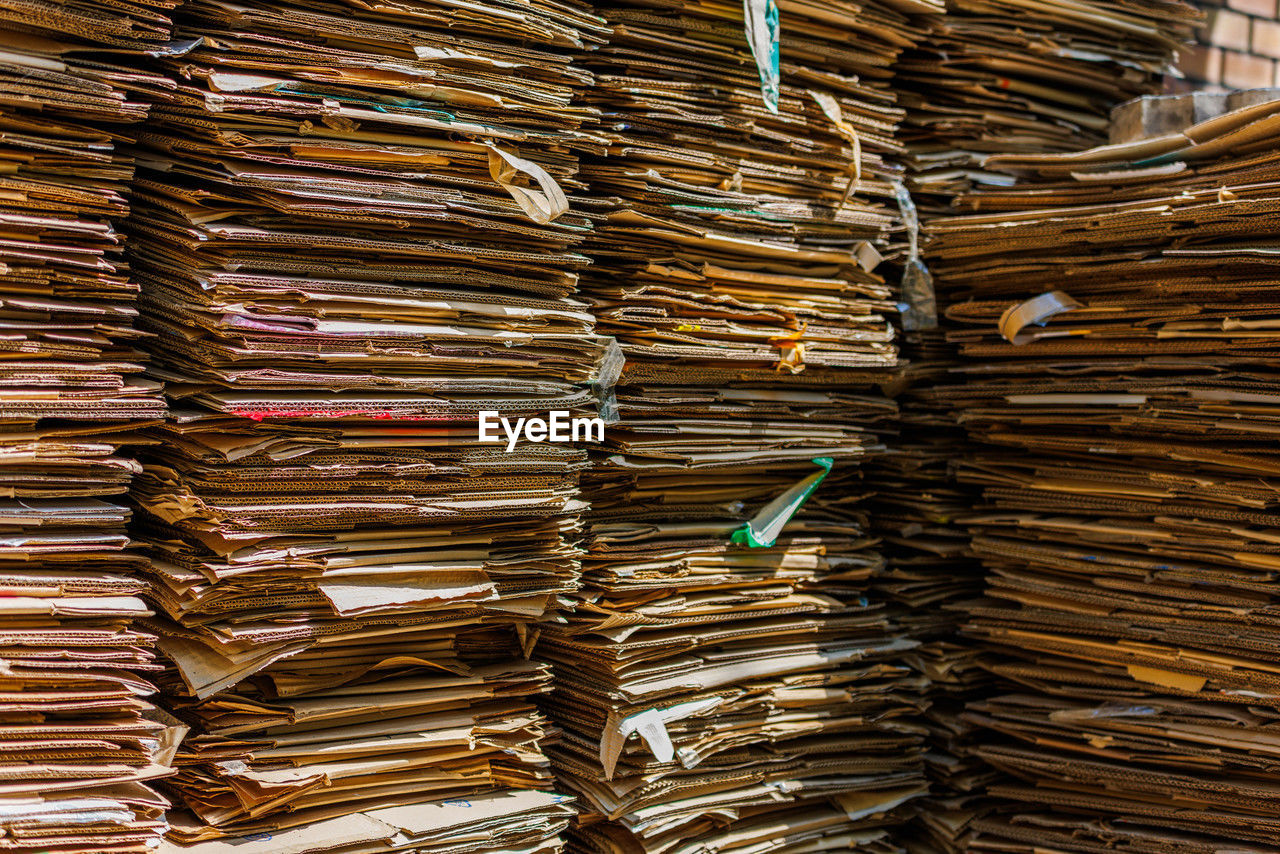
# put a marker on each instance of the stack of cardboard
(930, 572)
(988, 76)
(740, 238)
(728, 681)
(353, 237)
(997, 76)
(917, 502)
(712, 692)
(80, 738)
(1120, 334)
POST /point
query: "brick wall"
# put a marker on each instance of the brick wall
(1239, 46)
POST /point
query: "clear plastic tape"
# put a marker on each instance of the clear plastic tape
(919, 299)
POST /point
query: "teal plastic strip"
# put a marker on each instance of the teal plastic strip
(764, 31)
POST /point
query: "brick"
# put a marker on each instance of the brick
(1257, 8)
(1201, 63)
(1266, 38)
(1243, 71)
(1227, 29)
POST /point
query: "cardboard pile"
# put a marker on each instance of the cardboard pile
(80, 738)
(736, 237)
(931, 574)
(999, 76)
(727, 679)
(353, 236)
(512, 820)
(1120, 332)
(714, 692)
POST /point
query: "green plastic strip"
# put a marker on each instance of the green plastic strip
(763, 529)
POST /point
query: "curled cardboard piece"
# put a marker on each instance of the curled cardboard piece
(1035, 311)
